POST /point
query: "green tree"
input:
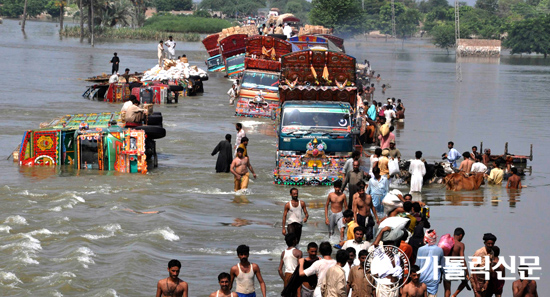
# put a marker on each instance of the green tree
(167, 5)
(384, 23)
(345, 16)
(487, 5)
(529, 36)
(372, 7)
(118, 12)
(427, 6)
(14, 8)
(407, 23)
(444, 36)
(52, 8)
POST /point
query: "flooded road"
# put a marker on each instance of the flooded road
(69, 233)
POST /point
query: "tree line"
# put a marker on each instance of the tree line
(523, 25)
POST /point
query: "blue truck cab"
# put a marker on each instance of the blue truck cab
(314, 141)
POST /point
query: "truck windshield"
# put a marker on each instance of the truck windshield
(324, 118)
(259, 80)
(235, 61)
(215, 61)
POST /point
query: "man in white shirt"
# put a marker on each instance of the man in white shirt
(389, 114)
(287, 30)
(171, 46)
(160, 54)
(358, 244)
(478, 166)
(319, 267)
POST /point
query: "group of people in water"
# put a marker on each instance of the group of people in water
(403, 257)
(368, 226)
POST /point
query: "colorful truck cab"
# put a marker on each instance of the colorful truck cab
(258, 95)
(88, 141)
(317, 126)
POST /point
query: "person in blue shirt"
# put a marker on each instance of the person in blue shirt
(453, 155)
(430, 260)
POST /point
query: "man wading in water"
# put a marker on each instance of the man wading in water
(224, 291)
(244, 273)
(172, 286)
(239, 168)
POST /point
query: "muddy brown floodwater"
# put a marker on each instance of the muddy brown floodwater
(68, 233)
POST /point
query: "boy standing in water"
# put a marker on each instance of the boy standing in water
(172, 286)
(244, 273)
(224, 290)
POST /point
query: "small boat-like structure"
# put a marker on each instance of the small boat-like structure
(91, 141)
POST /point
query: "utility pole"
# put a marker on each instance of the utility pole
(457, 39)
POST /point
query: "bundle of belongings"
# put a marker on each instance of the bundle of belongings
(173, 70)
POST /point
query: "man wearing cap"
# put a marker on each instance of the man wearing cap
(425, 260)
(479, 282)
(394, 152)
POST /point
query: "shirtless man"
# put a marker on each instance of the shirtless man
(466, 165)
(362, 205)
(458, 251)
(172, 286)
(244, 273)
(514, 181)
(224, 291)
(363, 208)
(337, 202)
(524, 287)
(239, 167)
(414, 288)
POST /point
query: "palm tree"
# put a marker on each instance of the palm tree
(116, 13)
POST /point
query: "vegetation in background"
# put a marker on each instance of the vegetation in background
(233, 7)
(168, 5)
(185, 24)
(14, 8)
(345, 16)
(129, 33)
(530, 36)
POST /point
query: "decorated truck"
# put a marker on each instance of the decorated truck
(91, 141)
(317, 126)
(258, 95)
